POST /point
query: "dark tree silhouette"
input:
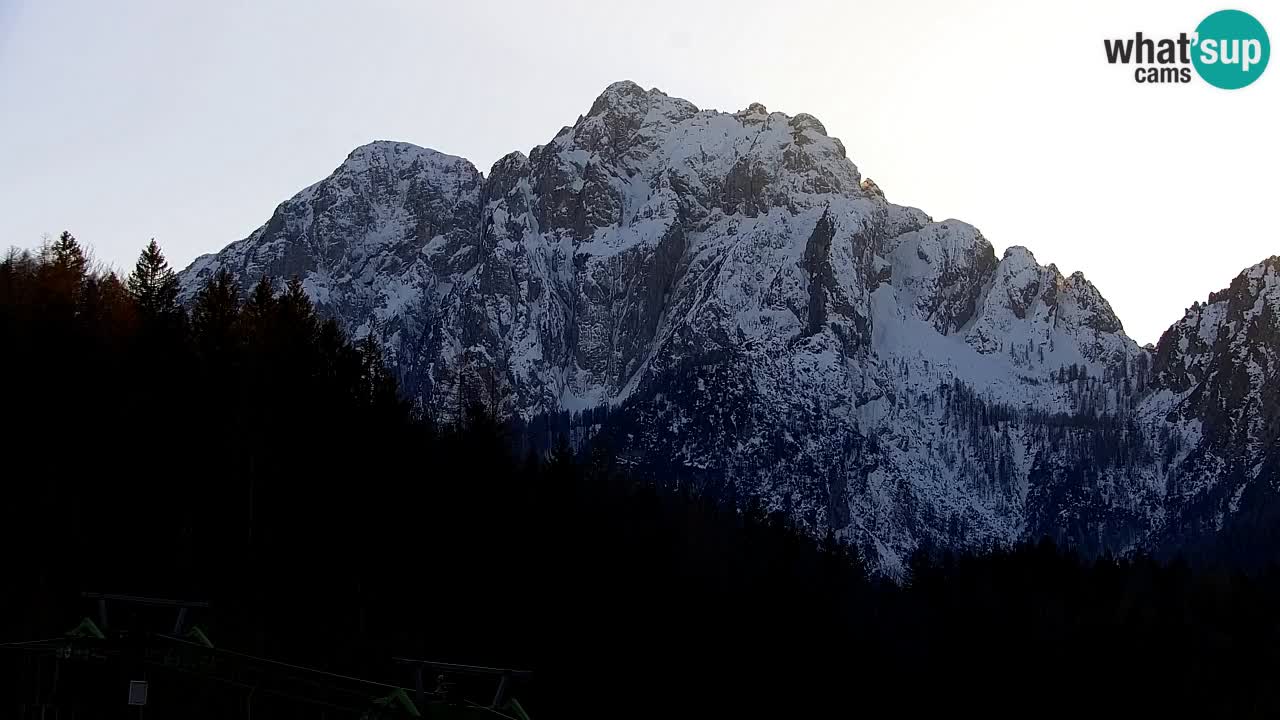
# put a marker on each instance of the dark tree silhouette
(154, 287)
(259, 459)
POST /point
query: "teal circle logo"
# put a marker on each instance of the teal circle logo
(1232, 49)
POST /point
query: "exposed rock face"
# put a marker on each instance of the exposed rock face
(772, 327)
(1217, 403)
(381, 243)
(942, 271)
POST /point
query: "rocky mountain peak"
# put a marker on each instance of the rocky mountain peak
(622, 97)
(1239, 325)
(1095, 311)
(764, 322)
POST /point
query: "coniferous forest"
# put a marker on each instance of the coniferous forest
(244, 452)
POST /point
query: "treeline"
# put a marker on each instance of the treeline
(245, 452)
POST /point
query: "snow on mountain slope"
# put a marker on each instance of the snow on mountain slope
(766, 324)
(378, 244)
(1217, 408)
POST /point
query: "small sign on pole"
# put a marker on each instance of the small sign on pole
(137, 692)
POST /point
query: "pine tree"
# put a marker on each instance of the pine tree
(295, 305)
(263, 296)
(214, 314)
(154, 287)
(259, 310)
(62, 272)
(338, 363)
(378, 385)
(66, 255)
(108, 311)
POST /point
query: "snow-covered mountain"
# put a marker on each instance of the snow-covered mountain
(766, 323)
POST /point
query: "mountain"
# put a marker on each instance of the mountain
(762, 322)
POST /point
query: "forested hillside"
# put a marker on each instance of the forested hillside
(243, 451)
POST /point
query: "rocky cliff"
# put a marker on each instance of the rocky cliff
(766, 324)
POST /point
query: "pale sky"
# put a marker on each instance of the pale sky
(190, 121)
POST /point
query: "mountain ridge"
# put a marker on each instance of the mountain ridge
(777, 329)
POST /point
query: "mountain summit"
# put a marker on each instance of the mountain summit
(765, 324)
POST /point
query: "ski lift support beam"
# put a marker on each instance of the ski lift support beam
(504, 675)
(182, 605)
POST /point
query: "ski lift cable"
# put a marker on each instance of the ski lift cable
(31, 642)
(280, 663)
(314, 671)
(255, 688)
(490, 709)
(481, 669)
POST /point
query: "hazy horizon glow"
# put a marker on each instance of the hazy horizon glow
(190, 123)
